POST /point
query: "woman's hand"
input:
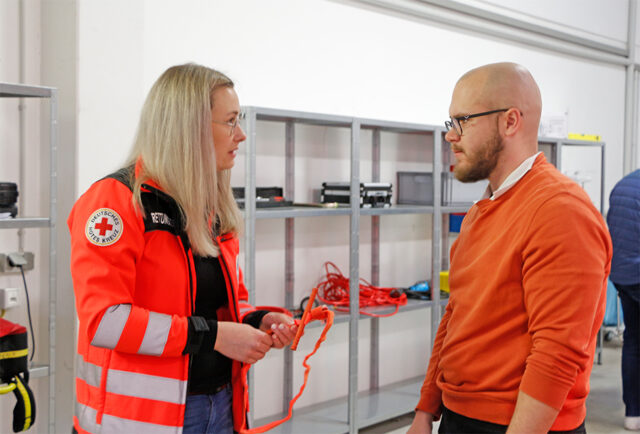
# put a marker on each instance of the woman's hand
(242, 342)
(283, 327)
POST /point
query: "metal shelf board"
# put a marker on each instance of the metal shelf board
(451, 209)
(373, 407)
(582, 143)
(342, 317)
(11, 90)
(398, 209)
(39, 371)
(278, 115)
(295, 211)
(399, 127)
(25, 222)
(569, 142)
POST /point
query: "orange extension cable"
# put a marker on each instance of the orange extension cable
(334, 290)
(320, 313)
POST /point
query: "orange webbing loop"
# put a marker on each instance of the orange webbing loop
(305, 315)
(315, 314)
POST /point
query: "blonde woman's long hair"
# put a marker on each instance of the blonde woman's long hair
(175, 145)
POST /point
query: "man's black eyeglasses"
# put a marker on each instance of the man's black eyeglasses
(456, 123)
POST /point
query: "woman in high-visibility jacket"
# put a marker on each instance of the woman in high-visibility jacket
(165, 326)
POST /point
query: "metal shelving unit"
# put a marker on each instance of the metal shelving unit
(356, 410)
(555, 157)
(8, 90)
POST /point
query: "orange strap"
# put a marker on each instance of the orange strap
(303, 320)
(321, 313)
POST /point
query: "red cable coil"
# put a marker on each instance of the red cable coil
(334, 290)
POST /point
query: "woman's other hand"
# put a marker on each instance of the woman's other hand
(283, 327)
(242, 342)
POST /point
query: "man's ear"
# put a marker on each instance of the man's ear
(512, 121)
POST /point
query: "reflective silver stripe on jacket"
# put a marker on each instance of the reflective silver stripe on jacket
(238, 269)
(111, 326)
(134, 384)
(88, 372)
(146, 386)
(112, 424)
(87, 418)
(156, 335)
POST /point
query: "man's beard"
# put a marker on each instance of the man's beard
(480, 164)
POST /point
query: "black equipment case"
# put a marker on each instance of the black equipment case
(372, 194)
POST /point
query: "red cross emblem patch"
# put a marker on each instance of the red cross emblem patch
(104, 227)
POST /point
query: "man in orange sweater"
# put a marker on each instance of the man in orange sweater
(515, 347)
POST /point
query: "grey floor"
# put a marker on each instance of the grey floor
(605, 410)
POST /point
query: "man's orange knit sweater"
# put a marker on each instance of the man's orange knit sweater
(528, 283)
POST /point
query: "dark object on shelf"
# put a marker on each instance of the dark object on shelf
(316, 205)
(8, 198)
(420, 290)
(298, 312)
(266, 197)
(372, 194)
(415, 188)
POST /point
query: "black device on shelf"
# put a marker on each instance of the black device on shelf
(266, 197)
(372, 194)
(415, 188)
(8, 198)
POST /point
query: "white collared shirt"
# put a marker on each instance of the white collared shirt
(511, 180)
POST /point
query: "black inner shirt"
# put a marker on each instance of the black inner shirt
(209, 368)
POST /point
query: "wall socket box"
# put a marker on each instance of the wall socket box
(8, 298)
(6, 268)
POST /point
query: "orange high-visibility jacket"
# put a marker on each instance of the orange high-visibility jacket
(135, 286)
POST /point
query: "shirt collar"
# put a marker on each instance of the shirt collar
(511, 180)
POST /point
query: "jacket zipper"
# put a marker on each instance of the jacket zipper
(232, 292)
(185, 242)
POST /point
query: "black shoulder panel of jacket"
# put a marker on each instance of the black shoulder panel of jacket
(124, 175)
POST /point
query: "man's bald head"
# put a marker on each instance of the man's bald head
(506, 85)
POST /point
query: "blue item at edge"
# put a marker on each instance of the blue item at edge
(610, 314)
(455, 221)
(420, 287)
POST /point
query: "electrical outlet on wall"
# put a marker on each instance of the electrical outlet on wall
(24, 258)
(8, 298)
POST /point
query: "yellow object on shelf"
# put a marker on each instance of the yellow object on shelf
(444, 281)
(587, 137)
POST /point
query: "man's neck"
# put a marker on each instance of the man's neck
(506, 168)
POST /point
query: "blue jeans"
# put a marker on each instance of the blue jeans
(629, 299)
(209, 413)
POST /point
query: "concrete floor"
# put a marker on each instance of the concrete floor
(605, 410)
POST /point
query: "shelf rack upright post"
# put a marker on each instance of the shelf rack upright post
(9, 90)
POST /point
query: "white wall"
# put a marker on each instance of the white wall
(329, 57)
(586, 19)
